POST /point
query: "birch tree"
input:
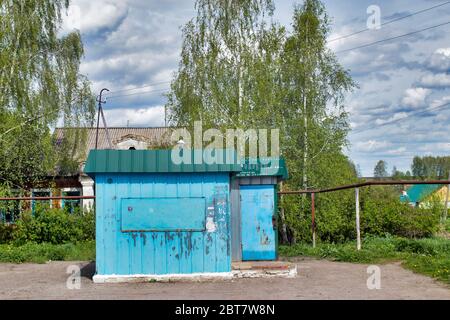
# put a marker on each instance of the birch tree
(40, 83)
(314, 85)
(220, 48)
(240, 69)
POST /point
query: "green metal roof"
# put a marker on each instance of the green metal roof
(419, 192)
(157, 161)
(269, 167)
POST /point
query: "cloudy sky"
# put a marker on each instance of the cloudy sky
(395, 113)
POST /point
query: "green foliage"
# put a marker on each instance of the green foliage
(431, 167)
(40, 83)
(383, 213)
(427, 256)
(437, 267)
(239, 69)
(222, 70)
(380, 170)
(54, 226)
(400, 175)
(7, 232)
(41, 253)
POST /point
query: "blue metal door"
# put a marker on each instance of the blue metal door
(257, 211)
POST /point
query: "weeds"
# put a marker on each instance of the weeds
(43, 252)
(426, 256)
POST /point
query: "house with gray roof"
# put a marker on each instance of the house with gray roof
(122, 138)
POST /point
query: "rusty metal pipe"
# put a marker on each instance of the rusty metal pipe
(365, 184)
(47, 198)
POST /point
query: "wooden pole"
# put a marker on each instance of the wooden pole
(358, 231)
(313, 219)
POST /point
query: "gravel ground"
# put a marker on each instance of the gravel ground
(317, 279)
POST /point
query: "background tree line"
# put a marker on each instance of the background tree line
(427, 167)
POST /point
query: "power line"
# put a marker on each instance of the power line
(389, 22)
(143, 87)
(393, 38)
(414, 114)
(137, 93)
(341, 51)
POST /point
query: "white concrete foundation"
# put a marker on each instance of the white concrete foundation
(288, 272)
(191, 277)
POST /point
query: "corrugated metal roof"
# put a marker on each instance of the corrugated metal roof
(154, 161)
(419, 192)
(267, 167)
(153, 136)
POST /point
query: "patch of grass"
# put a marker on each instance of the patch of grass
(43, 252)
(426, 256)
(447, 225)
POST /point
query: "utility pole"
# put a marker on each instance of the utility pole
(100, 113)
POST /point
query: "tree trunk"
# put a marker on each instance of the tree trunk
(305, 144)
(283, 230)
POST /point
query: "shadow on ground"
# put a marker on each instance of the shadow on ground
(88, 271)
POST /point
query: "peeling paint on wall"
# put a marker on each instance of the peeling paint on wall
(210, 225)
(163, 252)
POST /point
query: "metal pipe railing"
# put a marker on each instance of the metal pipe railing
(47, 198)
(355, 186)
(365, 184)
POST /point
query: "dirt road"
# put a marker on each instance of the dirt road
(317, 279)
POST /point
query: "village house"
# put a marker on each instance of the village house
(422, 195)
(79, 184)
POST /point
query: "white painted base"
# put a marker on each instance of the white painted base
(191, 277)
(266, 273)
(196, 277)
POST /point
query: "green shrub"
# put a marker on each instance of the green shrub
(54, 226)
(381, 213)
(381, 216)
(447, 224)
(6, 232)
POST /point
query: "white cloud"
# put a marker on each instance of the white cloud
(401, 151)
(440, 102)
(145, 117)
(396, 116)
(440, 60)
(90, 16)
(415, 97)
(439, 80)
(371, 145)
(432, 148)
